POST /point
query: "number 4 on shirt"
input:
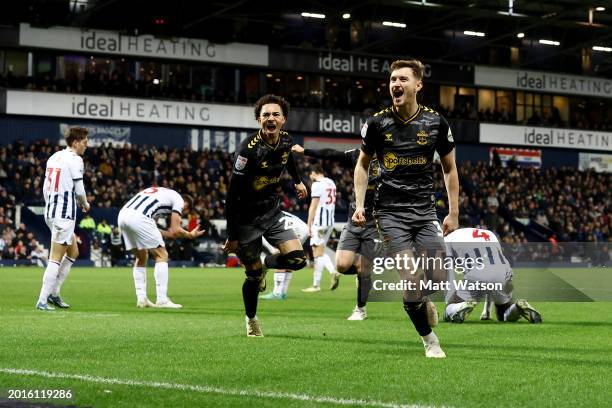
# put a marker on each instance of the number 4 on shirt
(481, 234)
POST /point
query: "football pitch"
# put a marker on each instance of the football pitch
(111, 354)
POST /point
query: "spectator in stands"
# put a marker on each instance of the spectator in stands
(88, 224)
(116, 247)
(103, 230)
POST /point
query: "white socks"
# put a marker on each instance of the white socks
(62, 274)
(279, 280)
(288, 276)
(161, 281)
(318, 271)
(49, 281)
(431, 338)
(140, 281)
(327, 264)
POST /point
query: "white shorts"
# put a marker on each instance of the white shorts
(320, 235)
(138, 230)
(62, 231)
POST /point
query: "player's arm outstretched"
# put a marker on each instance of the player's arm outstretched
(341, 157)
(176, 231)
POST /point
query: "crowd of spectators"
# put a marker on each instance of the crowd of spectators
(567, 204)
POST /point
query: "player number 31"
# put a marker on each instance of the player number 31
(39, 394)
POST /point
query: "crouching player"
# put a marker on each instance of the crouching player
(488, 266)
(282, 277)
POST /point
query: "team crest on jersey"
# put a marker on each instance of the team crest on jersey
(389, 137)
(241, 162)
(422, 137)
(285, 157)
(264, 164)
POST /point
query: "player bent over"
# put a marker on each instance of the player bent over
(63, 189)
(282, 278)
(252, 204)
(141, 236)
(489, 266)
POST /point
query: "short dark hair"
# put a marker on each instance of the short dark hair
(316, 168)
(418, 69)
(188, 199)
(279, 100)
(75, 134)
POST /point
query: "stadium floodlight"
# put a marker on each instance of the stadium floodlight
(313, 15)
(600, 8)
(425, 3)
(392, 24)
(474, 33)
(346, 16)
(600, 48)
(550, 42)
(520, 35)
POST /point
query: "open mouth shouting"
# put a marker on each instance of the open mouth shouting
(271, 127)
(397, 92)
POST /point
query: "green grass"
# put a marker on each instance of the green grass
(309, 348)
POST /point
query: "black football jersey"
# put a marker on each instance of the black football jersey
(405, 150)
(256, 177)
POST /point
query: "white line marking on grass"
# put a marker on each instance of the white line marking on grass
(206, 389)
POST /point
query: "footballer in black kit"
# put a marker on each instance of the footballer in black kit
(354, 239)
(253, 204)
(404, 139)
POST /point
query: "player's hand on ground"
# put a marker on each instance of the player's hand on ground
(451, 223)
(196, 232)
(302, 192)
(297, 149)
(230, 246)
(359, 217)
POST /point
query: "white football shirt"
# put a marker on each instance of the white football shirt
(325, 190)
(63, 169)
(156, 201)
(482, 246)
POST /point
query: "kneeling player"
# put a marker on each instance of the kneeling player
(282, 277)
(488, 266)
(137, 224)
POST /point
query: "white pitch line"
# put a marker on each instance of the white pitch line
(206, 389)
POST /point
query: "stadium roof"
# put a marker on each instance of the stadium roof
(478, 31)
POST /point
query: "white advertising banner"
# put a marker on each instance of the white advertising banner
(536, 81)
(545, 137)
(128, 109)
(602, 163)
(112, 42)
